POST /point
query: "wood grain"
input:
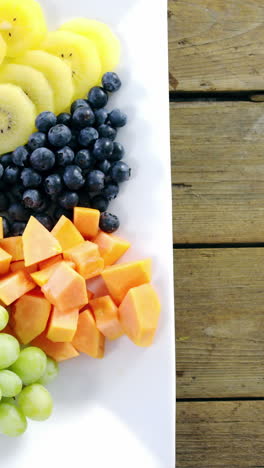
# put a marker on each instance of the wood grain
(218, 172)
(216, 45)
(220, 434)
(219, 300)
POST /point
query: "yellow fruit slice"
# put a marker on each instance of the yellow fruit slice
(82, 56)
(57, 73)
(107, 43)
(32, 82)
(2, 49)
(22, 25)
(17, 117)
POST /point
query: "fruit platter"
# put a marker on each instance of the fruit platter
(86, 282)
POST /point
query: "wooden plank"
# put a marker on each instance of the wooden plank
(220, 434)
(219, 297)
(218, 172)
(216, 45)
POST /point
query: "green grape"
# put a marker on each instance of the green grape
(4, 317)
(10, 383)
(9, 350)
(36, 403)
(11, 401)
(30, 365)
(51, 372)
(12, 421)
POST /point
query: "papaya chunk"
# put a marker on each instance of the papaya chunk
(41, 277)
(5, 261)
(1, 228)
(20, 265)
(111, 247)
(29, 316)
(107, 317)
(50, 261)
(90, 294)
(120, 278)
(38, 243)
(13, 246)
(88, 339)
(9, 330)
(66, 233)
(63, 325)
(86, 221)
(14, 285)
(65, 288)
(57, 351)
(139, 314)
(86, 258)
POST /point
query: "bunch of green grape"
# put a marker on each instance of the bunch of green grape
(23, 374)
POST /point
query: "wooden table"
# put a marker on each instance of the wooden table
(217, 135)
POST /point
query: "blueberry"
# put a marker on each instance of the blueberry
(106, 131)
(42, 159)
(109, 223)
(100, 203)
(32, 198)
(20, 156)
(45, 121)
(1, 171)
(6, 226)
(30, 178)
(11, 174)
(84, 159)
(120, 172)
(103, 148)
(18, 212)
(83, 117)
(111, 191)
(104, 166)
(46, 220)
(78, 103)
(4, 186)
(95, 181)
(117, 118)
(53, 184)
(87, 136)
(64, 118)
(64, 156)
(62, 212)
(17, 191)
(4, 202)
(42, 207)
(73, 177)
(59, 136)
(118, 152)
(68, 200)
(37, 140)
(111, 82)
(6, 159)
(101, 116)
(18, 228)
(97, 97)
(84, 199)
(74, 143)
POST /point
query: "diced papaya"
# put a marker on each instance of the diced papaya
(111, 247)
(87, 221)
(13, 246)
(63, 325)
(14, 285)
(88, 339)
(120, 278)
(57, 351)
(65, 288)
(38, 243)
(5, 261)
(1, 228)
(107, 317)
(41, 277)
(50, 261)
(9, 330)
(29, 316)
(66, 233)
(139, 314)
(86, 258)
(20, 265)
(90, 294)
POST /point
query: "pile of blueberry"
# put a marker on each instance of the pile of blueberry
(72, 160)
